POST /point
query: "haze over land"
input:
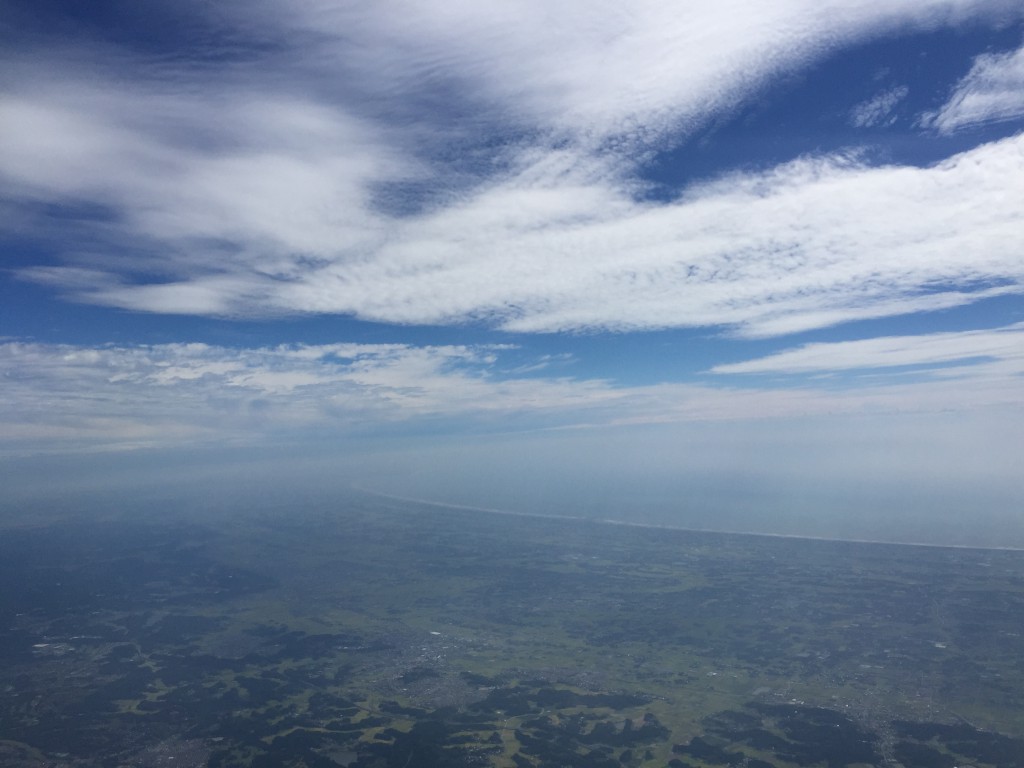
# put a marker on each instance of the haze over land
(725, 266)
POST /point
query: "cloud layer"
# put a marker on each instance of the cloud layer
(63, 397)
(442, 165)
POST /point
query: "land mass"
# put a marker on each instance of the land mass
(381, 632)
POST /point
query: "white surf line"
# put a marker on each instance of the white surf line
(662, 527)
(467, 507)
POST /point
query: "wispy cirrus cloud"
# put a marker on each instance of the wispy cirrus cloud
(999, 349)
(806, 245)
(992, 91)
(878, 110)
(444, 164)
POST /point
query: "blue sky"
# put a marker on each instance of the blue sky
(595, 257)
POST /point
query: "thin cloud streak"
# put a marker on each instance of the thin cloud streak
(878, 110)
(1003, 345)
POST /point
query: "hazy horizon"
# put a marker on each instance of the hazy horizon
(744, 266)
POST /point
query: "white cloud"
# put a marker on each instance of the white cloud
(268, 187)
(878, 109)
(61, 397)
(599, 68)
(1003, 347)
(809, 244)
(146, 395)
(993, 91)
